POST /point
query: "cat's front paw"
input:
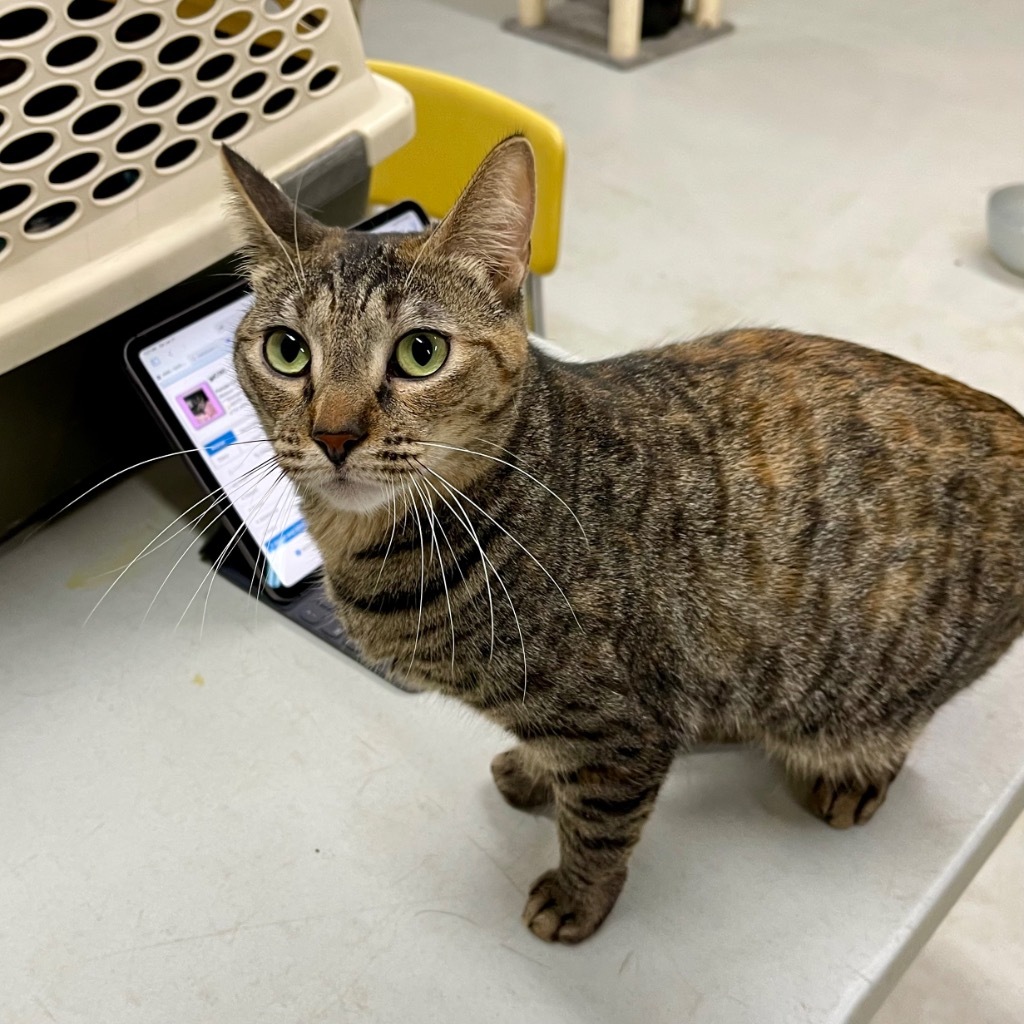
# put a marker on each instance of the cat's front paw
(557, 911)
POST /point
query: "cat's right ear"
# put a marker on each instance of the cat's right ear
(491, 221)
(271, 223)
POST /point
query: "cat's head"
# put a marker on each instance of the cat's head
(370, 357)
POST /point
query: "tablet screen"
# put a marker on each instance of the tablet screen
(193, 371)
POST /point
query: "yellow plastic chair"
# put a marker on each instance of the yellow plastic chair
(457, 123)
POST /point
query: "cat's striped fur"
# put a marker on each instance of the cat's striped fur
(779, 538)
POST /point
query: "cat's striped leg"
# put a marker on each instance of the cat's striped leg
(602, 807)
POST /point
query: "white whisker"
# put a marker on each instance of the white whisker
(214, 498)
(221, 558)
(423, 572)
(441, 529)
(263, 559)
(494, 444)
(483, 557)
(232, 540)
(291, 263)
(295, 224)
(440, 561)
(422, 249)
(515, 540)
(195, 541)
(180, 559)
(504, 462)
(225, 554)
(153, 547)
(497, 575)
(113, 476)
(394, 527)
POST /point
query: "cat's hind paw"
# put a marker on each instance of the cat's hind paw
(521, 787)
(844, 804)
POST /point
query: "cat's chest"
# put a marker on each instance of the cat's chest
(457, 613)
(392, 590)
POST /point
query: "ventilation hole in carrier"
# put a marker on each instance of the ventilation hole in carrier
(51, 217)
(13, 196)
(116, 184)
(74, 168)
(175, 154)
(233, 24)
(139, 137)
(90, 10)
(196, 111)
(96, 120)
(323, 79)
(249, 85)
(230, 127)
(137, 28)
(71, 52)
(159, 93)
(3, 246)
(11, 70)
(27, 147)
(193, 10)
(22, 23)
(296, 63)
(177, 51)
(118, 76)
(312, 21)
(50, 101)
(215, 68)
(265, 44)
(274, 7)
(279, 102)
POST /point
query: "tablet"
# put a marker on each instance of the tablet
(184, 369)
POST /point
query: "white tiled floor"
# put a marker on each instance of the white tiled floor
(825, 168)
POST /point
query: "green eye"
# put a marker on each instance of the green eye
(420, 353)
(286, 352)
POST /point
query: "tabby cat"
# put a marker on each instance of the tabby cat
(778, 538)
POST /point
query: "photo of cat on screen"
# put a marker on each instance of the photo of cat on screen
(201, 406)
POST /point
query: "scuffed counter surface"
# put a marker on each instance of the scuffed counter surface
(246, 826)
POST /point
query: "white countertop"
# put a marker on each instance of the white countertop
(247, 827)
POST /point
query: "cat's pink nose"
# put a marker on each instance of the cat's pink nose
(337, 445)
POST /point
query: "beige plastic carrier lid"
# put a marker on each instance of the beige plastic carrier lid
(111, 116)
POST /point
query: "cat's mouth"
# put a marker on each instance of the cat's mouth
(348, 486)
(348, 491)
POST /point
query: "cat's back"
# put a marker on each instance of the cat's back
(779, 411)
(820, 369)
(768, 376)
(783, 398)
(812, 495)
(765, 419)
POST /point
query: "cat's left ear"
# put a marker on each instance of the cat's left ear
(268, 218)
(492, 220)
